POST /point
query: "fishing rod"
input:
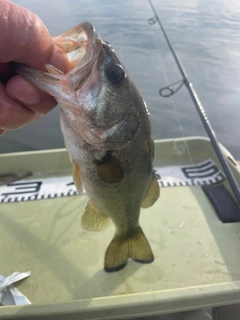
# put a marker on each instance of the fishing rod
(198, 105)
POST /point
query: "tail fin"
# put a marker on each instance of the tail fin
(121, 249)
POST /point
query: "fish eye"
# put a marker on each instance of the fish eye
(116, 74)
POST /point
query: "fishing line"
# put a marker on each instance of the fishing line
(167, 92)
(176, 114)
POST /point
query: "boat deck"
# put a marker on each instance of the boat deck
(197, 257)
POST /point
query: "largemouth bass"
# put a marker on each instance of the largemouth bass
(107, 132)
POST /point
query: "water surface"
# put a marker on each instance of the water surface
(205, 35)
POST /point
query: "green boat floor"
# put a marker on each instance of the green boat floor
(196, 264)
(191, 248)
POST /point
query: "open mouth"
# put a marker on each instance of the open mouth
(82, 46)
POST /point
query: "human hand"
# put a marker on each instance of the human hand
(24, 39)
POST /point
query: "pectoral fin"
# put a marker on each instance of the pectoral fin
(77, 177)
(121, 249)
(109, 169)
(93, 220)
(152, 193)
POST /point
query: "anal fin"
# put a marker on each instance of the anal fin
(93, 220)
(152, 193)
(121, 249)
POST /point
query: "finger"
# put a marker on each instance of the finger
(13, 114)
(24, 38)
(28, 95)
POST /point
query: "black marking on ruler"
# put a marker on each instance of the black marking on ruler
(200, 171)
(70, 184)
(158, 176)
(202, 165)
(24, 187)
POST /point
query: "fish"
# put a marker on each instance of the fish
(107, 133)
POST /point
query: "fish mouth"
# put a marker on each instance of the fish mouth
(82, 45)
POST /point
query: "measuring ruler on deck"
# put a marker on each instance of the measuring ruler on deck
(203, 173)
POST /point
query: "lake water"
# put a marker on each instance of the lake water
(206, 37)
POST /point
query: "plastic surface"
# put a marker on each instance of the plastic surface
(197, 257)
